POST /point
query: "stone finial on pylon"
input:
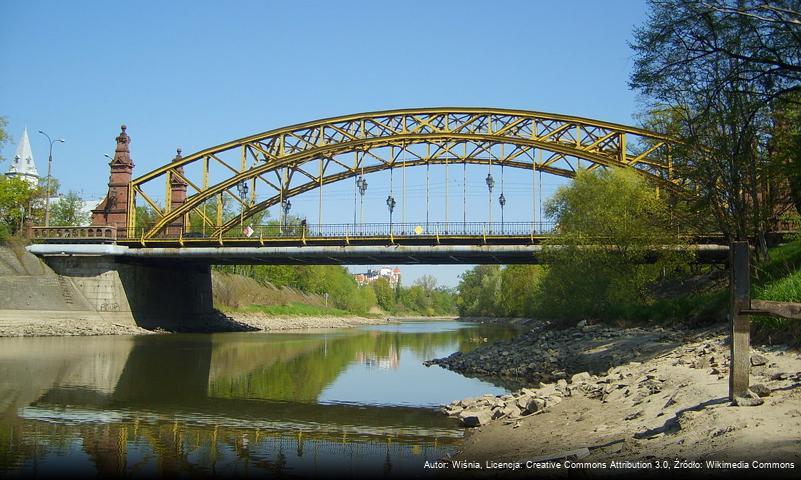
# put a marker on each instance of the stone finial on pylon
(122, 154)
(176, 180)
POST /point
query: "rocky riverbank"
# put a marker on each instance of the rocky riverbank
(543, 354)
(48, 323)
(646, 394)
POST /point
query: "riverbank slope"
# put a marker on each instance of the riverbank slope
(612, 394)
(35, 301)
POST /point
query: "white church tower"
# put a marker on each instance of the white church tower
(23, 165)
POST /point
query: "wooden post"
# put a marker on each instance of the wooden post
(740, 289)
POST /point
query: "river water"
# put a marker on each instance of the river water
(352, 401)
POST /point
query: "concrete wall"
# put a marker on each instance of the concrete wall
(150, 295)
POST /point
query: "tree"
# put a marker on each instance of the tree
(478, 291)
(67, 210)
(16, 195)
(519, 284)
(428, 282)
(384, 295)
(786, 143)
(610, 222)
(145, 217)
(719, 67)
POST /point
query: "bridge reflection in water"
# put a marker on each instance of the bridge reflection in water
(229, 404)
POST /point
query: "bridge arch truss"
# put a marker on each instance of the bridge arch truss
(289, 161)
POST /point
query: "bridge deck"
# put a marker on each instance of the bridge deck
(341, 254)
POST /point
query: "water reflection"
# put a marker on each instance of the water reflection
(354, 400)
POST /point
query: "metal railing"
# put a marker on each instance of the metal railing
(74, 234)
(363, 230)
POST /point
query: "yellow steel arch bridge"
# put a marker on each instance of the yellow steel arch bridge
(273, 166)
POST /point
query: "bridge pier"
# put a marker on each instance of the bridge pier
(170, 295)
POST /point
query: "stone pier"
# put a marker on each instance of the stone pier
(171, 295)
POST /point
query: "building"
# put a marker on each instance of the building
(392, 275)
(23, 165)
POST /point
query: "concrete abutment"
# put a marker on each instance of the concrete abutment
(170, 295)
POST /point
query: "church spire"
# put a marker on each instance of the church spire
(23, 165)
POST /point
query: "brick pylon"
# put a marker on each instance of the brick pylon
(113, 210)
(177, 195)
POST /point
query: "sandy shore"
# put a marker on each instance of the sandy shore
(262, 322)
(39, 323)
(669, 404)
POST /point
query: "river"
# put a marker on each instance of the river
(352, 401)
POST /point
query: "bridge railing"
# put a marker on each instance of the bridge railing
(71, 234)
(364, 230)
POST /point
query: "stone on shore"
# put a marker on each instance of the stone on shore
(475, 418)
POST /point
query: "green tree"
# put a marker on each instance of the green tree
(720, 66)
(609, 224)
(16, 196)
(67, 210)
(518, 293)
(478, 291)
(384, 295)
(786, 143)
(427, 282)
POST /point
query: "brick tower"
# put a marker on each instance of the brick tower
(177, 195)
(113, 210)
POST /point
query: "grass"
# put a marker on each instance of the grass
(779, 279)
(696, 308)
(294, 308)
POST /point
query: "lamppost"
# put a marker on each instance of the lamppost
(391, 206)
(361, 184)
(285, 206)
(49, 168)
(242, 188)
(490, 183)
(502, 201)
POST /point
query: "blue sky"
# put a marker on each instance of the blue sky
(197, 74)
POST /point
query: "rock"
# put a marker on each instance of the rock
(475, 418)
(452, 410)
(749, 400)
(535, 405)
(554, 400)
(760, 390)
(580, 377)
(511, 411)
(758, 360)
(634, 415)
(581, 324)
(546, 389)
(779, 376)
(497, 413)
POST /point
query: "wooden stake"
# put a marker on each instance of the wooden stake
(740, 288)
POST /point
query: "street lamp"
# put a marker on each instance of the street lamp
(49, 168)
(490, 183)
(285, 206)
(391, 206)
(242, 188)
(502, 201)
(361, 183)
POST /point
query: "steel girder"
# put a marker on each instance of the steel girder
(291, 160)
